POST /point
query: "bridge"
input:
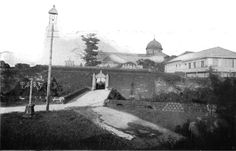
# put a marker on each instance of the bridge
(91, 98)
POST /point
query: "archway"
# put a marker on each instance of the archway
(100, 81)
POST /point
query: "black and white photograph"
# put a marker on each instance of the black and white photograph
(118, 75)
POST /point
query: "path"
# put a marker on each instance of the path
(116, 122)
(91, 98)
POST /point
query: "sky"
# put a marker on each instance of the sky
(179, 25)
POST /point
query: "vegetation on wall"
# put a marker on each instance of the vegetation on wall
(149, 64)
(15, 82)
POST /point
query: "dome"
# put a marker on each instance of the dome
(53, 11)
(155, 45)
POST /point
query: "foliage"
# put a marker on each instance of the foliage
(115, 95)
(218, 132)
(168, 58)
(7, 78)
(149, 64)
(90, 56)
(200, 95)
(22, 66)
(224, 89)
(210, 137)
(4, 65)
(39, 89)
(39, 68)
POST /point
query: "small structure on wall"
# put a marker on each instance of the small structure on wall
(100, 81)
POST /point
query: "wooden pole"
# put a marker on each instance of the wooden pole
(49, 71)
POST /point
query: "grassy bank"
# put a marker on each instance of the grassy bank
(55, 130)
(151, 111)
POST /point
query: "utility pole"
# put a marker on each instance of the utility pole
(52, 17)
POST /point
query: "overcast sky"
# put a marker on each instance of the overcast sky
(179, 25)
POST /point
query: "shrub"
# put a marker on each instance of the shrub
(216, 138)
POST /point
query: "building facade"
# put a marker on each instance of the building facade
(198, 64)
(129, 60)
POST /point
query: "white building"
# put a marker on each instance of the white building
(197, 64)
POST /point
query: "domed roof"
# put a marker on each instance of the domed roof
(53, 11)
(154, 45)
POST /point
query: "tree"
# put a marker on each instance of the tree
(90, 52)
(149, 64)
(4, 65)
(22, 66)
(146, 63)
(7, 77)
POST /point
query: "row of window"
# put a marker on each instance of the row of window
(215, 63)
(192, 65)
(195, 65)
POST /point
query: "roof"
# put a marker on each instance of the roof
(216, 52)
(130, 63)
(53, 11)
(127, 57)
(154, 45)
(186, 52)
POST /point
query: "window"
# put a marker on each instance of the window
(189, 65)
(194, 65)
(215, 62)
(232, 63)
(202, 64)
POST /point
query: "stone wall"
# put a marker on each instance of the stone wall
(137, 83)
(161, 106)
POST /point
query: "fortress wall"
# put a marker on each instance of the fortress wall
(139, 83)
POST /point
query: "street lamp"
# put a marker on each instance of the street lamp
(52, 19)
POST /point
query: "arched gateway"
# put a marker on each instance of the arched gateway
(100, 81)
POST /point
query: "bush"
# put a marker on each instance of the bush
(210, 137)
(22, 66)
(115, 95)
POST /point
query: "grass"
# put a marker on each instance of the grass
(165, 119)
(55, 130)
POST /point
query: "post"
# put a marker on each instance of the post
(30, 95)
(107, 82)
(49, 72)
(94, 82)
(29, 109)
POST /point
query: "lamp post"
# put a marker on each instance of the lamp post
(29, 109)
(52, 19)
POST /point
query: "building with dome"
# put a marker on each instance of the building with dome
(154, 48)
(129, 60)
